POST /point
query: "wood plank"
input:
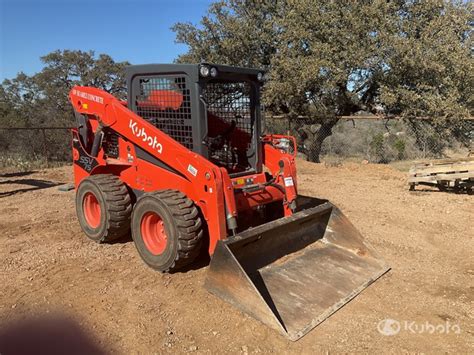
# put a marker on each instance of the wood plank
(442, 177)
(442, 169)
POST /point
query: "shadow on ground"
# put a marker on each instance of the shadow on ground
(34, 184)
(47, 335)
(457, 191)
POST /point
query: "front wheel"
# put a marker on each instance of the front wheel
(103, 207)
(167, 230)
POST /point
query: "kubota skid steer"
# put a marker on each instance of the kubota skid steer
(183, 164)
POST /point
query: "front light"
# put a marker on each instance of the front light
(260, 76)
(204, 70)
(213, 72)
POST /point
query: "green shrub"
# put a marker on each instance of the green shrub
(400, 147)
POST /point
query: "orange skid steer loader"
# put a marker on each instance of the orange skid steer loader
(183, 165)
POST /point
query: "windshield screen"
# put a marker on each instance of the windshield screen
(230, 119)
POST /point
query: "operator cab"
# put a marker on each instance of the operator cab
(213, 110)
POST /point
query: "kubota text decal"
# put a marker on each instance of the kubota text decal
(141, 133)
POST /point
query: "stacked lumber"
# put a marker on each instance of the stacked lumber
(446, 174)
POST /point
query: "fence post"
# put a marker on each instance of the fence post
(45, 146)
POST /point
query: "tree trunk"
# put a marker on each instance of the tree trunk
(314, 151)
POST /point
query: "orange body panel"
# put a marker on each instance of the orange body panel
(209, 186)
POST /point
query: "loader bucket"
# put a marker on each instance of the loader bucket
(294, 272)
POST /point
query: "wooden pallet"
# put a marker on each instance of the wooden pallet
(456, 174)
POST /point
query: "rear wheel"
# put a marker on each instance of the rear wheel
(167, 230)
(103, 207)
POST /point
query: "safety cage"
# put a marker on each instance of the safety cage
(216, 115)
(230, 123)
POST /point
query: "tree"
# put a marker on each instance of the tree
(42, 99)
(332, 58)
(430, 67)
(235, 32)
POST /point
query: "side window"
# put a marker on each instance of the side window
(165, 101)
(160, 94)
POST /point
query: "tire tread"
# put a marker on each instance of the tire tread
(119, 206)
(188, 222)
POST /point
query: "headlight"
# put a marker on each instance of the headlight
(204, 70)
(213, 72)
(260, 76)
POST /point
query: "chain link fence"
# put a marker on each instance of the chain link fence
(27, 148)
(360, 138)
(377, 140)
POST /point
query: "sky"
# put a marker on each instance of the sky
(134, 30)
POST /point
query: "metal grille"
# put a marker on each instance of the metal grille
(166, 103)
(110, 144)
(230, 118)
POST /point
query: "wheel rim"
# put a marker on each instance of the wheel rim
(153, 233)
(92, 212)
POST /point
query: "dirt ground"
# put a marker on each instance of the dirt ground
(49, 269)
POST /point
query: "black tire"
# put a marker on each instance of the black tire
(112, 196)
(182, 227)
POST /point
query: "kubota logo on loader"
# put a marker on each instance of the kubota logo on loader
(141, 133)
